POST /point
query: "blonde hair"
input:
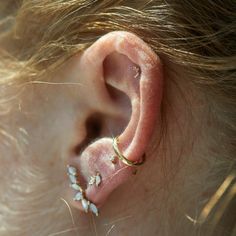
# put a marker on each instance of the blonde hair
(198, 36)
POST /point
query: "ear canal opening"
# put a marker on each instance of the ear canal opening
(94, 126)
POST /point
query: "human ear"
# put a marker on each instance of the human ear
(124, 77)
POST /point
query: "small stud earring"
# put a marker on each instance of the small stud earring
(136, 69)
(113, 159)
(80, 195)
(91, 180)
(96, 179)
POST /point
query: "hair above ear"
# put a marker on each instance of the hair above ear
(119, 65)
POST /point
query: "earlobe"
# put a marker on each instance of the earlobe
(125, 63)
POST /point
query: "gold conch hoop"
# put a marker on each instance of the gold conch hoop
(122, 157)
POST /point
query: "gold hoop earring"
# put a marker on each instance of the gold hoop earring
(122, 157)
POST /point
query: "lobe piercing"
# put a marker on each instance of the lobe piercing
(80, 195)
(73, 179)
(76, 187)
(93, 209)
(96, 179)
(92, 180)
(85, 204)
(71, 170)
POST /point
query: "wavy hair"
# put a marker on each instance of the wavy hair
(198, 36)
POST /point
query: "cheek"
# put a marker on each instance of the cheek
(49, 117)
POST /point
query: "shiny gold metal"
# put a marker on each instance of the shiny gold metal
(122, 157)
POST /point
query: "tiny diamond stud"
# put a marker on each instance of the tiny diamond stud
(95, 179)
(113, 159)
(92, 180)
(137, 71)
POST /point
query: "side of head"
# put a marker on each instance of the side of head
(74, 75)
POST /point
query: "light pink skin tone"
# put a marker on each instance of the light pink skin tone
(111, 61)
(48, 122)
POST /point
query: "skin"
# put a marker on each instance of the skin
(52, 118)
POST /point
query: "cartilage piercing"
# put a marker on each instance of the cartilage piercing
(136, 69)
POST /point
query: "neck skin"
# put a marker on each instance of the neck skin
(159, 200)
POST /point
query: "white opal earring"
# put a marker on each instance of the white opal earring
(80, 195)
(74, 183)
